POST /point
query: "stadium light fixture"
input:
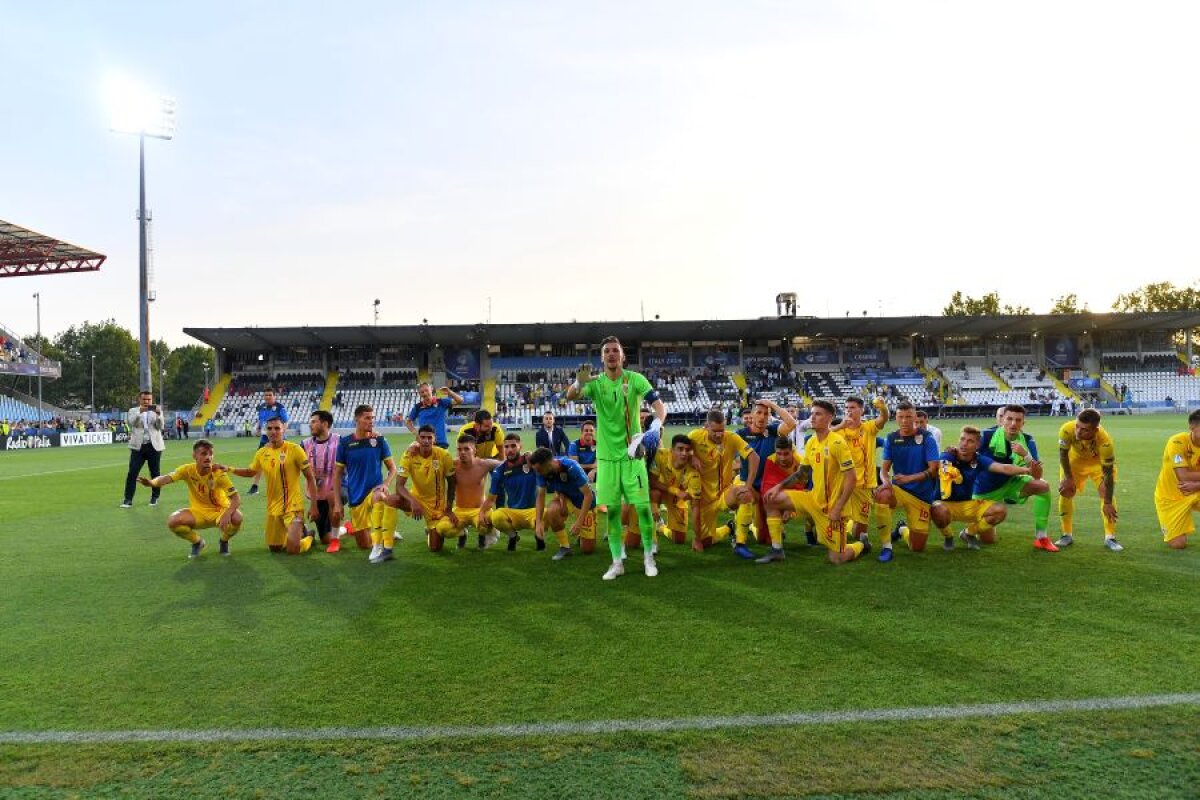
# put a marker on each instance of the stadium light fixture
(134, 109)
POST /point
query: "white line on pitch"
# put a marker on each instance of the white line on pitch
(423, 733)
(60, 471)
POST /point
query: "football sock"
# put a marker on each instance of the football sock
(185, 532)
(1041, 512)
(775, 526)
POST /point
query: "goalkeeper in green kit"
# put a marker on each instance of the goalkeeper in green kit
(617, 395)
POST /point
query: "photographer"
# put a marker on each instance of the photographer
(145, 445)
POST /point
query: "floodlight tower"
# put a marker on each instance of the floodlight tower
(137, 111)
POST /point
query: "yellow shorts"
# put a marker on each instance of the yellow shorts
(806, 504)
(709, 508)
(859, 505)
(433, 512)
(514, 519)
(371, 516)
(678, 514)
(968, 511)
(465, 516)
(1175, 516)
(205, 517)
(916, 510)
(278, 524)
(1084, 474)
(588, 529)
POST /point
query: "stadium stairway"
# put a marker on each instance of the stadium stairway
(488, 401)
(739, 380)
(1003, 384)
(331, 382)
(1108, 388)
(215, 396)
(423, 375)
(1063, 389)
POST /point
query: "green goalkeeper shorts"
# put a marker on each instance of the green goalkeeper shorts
(1010, 492)
(624, 480)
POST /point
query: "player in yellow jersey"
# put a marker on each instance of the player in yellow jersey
(861, 436)
(715, 450)
(828, 462)
(212, 500)
(431, 470)
(1177, 493)
(284, 463)
(675, 482)
(1085, 453)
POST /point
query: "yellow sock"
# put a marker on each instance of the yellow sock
(721, 533)
(186, 532)
(305, 543)
(229, 534)
(775, 526)
(563, 541)
(386, 537)
(855, 548)
(904, 535)
(376, 537)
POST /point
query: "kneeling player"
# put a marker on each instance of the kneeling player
(469, 475)
(716, 449)
(515, 481)
(566, 480)
(827, 462)
(431, 470)
(212, 500)
(908, 480)
(1177, 493)
(284, 463)
(961, 469)
(674, 482)
(360, 462)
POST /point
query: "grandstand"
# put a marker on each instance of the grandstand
(698, 365)
(14, 410)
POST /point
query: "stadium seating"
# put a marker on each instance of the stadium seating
(14, 410)
(391, 403)
(240, 404)
(1154, 387)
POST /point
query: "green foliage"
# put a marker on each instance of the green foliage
(962, 305)
(185, 374)
(116, 629)
(1164, 296)
(1068, 304)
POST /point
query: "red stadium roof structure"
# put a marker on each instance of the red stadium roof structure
(26, 252)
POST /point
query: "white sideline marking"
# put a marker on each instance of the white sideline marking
(60, 471)
(416, 733)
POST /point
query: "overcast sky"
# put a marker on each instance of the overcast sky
(574, 161)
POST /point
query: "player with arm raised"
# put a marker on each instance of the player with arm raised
(617, 395)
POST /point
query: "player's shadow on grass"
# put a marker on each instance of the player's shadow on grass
(230, 584)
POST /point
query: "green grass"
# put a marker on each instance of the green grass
(109, 626)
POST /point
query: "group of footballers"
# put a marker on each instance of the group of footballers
(845, 479)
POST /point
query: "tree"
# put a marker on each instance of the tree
(1068, 304)
(116, 353)
(185, 374)
(1163, 296)
(989, 305)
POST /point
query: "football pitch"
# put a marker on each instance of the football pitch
(127, 669)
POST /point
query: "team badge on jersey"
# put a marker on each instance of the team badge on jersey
(919, 439)
(374, 443)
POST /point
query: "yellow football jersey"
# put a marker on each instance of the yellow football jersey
(861, 441)
(716, 460)
(673, 477)
(830, 460)
(205, 492)
(1098, 451)
(427, 474)
(489, 445)
(1180, 452)
(284, 469)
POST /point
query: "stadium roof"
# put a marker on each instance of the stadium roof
(26, 252)
(688, 331)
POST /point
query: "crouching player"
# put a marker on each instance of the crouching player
(827, 462)
(1086, 453)
(515, 481)
(212, 500)
(962, 467)
(1177, 493)
(469, 475)
(716, 449)
(674, 482)
(431, 470)
(567, 481)
(284, 463)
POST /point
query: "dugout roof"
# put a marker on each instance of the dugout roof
(26, 252)
(253, 339)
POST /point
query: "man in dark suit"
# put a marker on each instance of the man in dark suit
(552, 437)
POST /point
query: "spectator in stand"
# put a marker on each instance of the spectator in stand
(145, 445)
(552, 437)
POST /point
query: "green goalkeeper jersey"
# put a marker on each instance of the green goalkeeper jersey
(618, 406)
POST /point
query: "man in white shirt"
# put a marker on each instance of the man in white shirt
(145, 445)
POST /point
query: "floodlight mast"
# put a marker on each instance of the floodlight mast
(153, 116)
